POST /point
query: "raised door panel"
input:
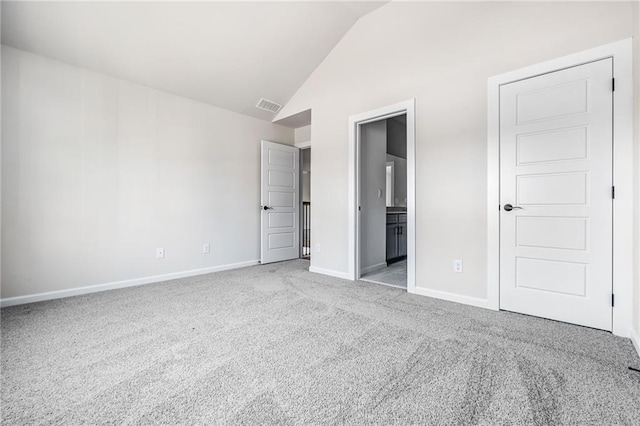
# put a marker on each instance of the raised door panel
(552, 102)
(562, 144)
(553, 189)
(567, 233)
(280, 178)
(278, 157)
(552, 276)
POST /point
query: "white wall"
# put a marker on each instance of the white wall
(441, 54)
(636, 52)
(302, 134)
(1, 181)
(97, 172)
(373, 179)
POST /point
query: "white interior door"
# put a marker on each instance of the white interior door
(556, 139)
(279, 203)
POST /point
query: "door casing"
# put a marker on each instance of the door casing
(621, 53)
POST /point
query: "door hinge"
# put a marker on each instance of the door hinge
(613, 84)
(613, 192)
(613, 300)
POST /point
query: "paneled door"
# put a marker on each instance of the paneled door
(279, 203)
(556, 139)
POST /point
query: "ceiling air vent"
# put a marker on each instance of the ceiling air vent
(268, 105)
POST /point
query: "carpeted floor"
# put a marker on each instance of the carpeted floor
(276, 344)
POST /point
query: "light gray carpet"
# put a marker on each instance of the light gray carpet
(275, 344)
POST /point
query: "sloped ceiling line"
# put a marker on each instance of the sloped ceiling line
(227, 54)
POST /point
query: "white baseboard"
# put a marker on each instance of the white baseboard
(373, 268)
(635, 338)
(39, 297)
(452, 297)
(331, 273)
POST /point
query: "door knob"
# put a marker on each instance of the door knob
(267, 208)
(509, 207)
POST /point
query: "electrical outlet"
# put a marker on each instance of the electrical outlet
(160, 253)
(457, 266)
(318, 248)
(206, 249)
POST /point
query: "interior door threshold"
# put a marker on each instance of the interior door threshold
(369, 280)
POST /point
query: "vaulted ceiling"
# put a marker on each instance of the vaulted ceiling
(228, 54)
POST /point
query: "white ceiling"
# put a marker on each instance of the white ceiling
(228, 54)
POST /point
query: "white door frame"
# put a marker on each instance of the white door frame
(355, 121)
(621, 52)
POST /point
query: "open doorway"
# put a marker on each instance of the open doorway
(356, 123)
(305, 200)
(383, 201)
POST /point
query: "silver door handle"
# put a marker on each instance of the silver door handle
(509, 207)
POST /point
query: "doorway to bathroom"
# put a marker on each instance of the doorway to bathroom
(382, 143)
